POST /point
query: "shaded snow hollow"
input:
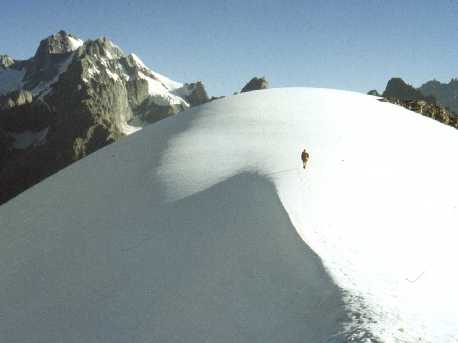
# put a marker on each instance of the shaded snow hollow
(187, 230)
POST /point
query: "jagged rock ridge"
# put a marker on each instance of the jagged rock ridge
(72, 98)
(421, 100)
(397, 88)
(427, 109)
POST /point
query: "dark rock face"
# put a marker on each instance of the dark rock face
(446, 94)
(373, 92)
(52, 55)
(5, 146)
(255, 84)
(397, 88)
(421, 100)
(75, 98)
(198, 94)
(152, 112)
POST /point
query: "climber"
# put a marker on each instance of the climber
(305, 157)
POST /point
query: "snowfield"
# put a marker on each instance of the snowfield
(205, 228)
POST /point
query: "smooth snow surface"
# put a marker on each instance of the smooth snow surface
(186, 231)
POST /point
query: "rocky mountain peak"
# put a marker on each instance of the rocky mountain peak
(6, 61)
(72, 98)
(255, 83)
(433, 99)
(102, 48)
(397, 88)
(52, 54)
(58, 43)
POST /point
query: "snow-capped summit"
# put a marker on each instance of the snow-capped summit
(86, 94)
(58, 43)
(206, 228)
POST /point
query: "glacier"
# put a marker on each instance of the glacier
(205, 227)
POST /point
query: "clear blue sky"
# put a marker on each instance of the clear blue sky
(352, 44)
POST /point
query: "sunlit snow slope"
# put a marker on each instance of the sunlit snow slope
(188, 230)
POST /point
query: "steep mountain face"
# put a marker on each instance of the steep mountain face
(72, 98)
(446, 94)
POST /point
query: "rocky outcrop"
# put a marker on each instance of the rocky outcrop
(419, 100)
(197, 94)
(72, 98)
(15, 99)
(397, 88)
(255, 83)
(428, 109)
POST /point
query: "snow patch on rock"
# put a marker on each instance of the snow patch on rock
(74, 43)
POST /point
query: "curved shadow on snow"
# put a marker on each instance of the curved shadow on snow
(223, 265)
(239, 270)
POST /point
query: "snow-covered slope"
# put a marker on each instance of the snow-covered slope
(187, 230)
